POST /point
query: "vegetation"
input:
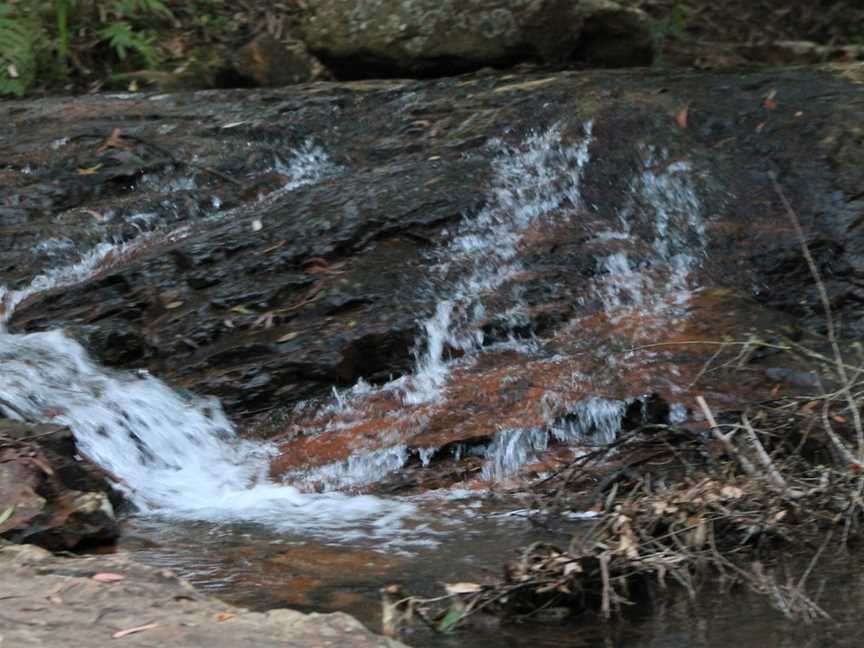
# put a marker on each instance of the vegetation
(39, 39)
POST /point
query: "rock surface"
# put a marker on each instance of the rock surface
(50, 495)
(267, 297)
(428, 37)
(50, 601)
(268, 62)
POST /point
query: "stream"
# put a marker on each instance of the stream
(280, 523)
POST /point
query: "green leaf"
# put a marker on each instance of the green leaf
(451, 619)
(20, 40)
(8, 513)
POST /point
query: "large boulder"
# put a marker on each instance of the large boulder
(429, 37)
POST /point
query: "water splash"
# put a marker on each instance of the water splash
(655, 279)
(177, 455)
(540, 179)
(593, 421)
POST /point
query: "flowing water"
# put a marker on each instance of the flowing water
(207, 505)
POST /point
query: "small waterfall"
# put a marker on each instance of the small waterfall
(540, 179)
(176, 454)
(594, 421)
(658, 281)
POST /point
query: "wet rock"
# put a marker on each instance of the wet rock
(270, 62)
(53, 497)
(334, 284)
(428, 37)
(95, 598)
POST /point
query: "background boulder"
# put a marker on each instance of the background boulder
(429, 37)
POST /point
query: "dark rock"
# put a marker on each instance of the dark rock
(332, 286)
(269, 62)
(57, 499)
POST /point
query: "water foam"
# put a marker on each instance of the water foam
(537, 180)
(176, 454)
(657, 279)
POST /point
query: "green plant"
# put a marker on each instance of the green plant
(20, 40)
(29, 30)
(673, 26)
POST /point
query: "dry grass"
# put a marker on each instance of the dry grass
(724, 502)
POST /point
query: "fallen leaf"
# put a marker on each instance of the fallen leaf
(89, 170)
(838, 418)
(768, 102)
(448, 623)
(8, 513)
(462, 588)
(265, 320)
(224, 616)
(173, 305)
(240, 310)
(114, 141)
(125, 633)
(288, 337)
(731, 492)
(681, 117)
(108, 577)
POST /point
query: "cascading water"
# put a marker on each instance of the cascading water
(175, 454)
(180, 456)
(538, 180)
(656, 243)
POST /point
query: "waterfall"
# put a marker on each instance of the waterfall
(176, 454)
(537, 180)
(179, 455)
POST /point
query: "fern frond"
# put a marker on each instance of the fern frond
(123, 39)
(20, 37)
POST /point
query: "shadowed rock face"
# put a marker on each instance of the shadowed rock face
(428, 37)
(266, 296)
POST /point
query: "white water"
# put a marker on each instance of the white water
(176, 455)
(180, 456)
(539, 180)
(657, 281)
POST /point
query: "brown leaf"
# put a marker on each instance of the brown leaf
(681, 117)
(114, 141)
(222, 617)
